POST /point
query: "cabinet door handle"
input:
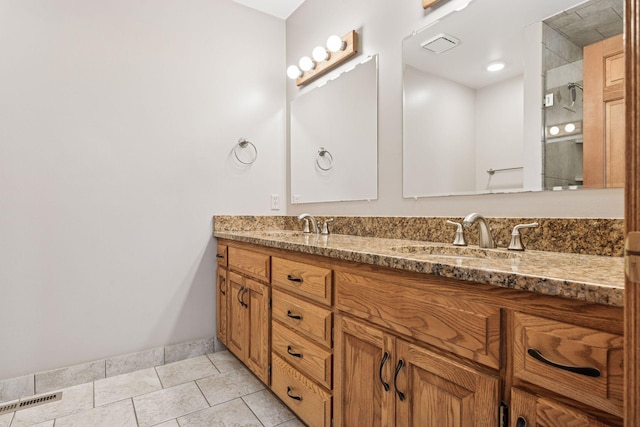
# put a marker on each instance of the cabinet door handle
(240, 295)
(292, 396)
(293, 316)
(385, 358)
(298, 355)
(521, 422)
(589, 372)
(294, 279)
(244, 304)
(395, 380)
(223, 281)
(219, 256)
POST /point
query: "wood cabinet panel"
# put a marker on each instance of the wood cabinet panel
(528, 410)
(579, 363)
(254, 264)
(311, 359)
(259, 320)
(364, 375)
(309, 401)
(308, 319)
(432, 390)
(221, 306)
(469, 329)
(237, 323)
(303, 279)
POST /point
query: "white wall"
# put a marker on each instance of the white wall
(116, 123)
(382, 25)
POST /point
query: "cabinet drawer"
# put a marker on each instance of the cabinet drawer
(251, 263)
(308, 319)
(302, 354)
(309, 401)
(221, 256)
(579, 363)
(303, 279)
(413, 307)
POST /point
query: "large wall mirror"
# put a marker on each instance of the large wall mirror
(334, 138)
(549, 115)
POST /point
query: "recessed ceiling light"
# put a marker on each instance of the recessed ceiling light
(495, 66)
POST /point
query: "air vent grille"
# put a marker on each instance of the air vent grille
(440, 43)
(30, 402)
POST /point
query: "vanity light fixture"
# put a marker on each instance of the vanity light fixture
(338, 50)
(495, 66)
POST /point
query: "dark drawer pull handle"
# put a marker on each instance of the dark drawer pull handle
(244, 304)
(385, 358)
(294, 279)
(219, 256)
(240, 296)
(293, 316)
(298, 355)
(521, 422)
(291, 396)
(223, 281)
(395, 379)
(589, 372)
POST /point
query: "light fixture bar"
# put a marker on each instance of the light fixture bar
(351, 48)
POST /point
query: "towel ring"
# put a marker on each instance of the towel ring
(243, 144)
(322, 152)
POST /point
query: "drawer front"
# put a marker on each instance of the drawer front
(310, 320)
(221, 256)
(302, 354)
(580, 363)
(466, 328)
(251, 263)
(303, 279)
(309, 401)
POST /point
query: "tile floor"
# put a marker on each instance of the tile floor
(212, 390)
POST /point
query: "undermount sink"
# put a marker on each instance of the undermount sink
(455, 252)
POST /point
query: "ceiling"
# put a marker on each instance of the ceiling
(278, 8)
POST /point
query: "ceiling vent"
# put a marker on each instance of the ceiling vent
(440, 43)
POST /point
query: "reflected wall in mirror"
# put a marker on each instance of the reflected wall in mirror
(334, 138)
(468, 130)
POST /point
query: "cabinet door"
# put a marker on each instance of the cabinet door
(221, 306)
(257, 354)
(363, 387)
(238, 317)
(434, 391)
(528, 410)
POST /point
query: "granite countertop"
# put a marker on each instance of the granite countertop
(591, 278)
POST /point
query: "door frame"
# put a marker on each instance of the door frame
(632, 207)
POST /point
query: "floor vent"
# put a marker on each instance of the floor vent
(30, 402)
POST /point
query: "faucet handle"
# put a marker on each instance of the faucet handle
(459, 239)
(516, 241)
(306, 226)
(325, 226)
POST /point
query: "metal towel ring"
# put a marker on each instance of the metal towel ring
(322, 152)
(242, 144)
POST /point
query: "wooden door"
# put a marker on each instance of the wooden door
(528, 410)
(632, 208)
(433, 391)
(363, 384)
(257, 353)
(238, 316)
(604, 112)
(221, 305)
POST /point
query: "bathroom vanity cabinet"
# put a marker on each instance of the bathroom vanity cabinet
(360, 344)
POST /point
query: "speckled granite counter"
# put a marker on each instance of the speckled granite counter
(597, 279)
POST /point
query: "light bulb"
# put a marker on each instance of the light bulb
(306, 63)
(320, 54)
(496, 66)
(293, 72)
(554, 130)
(569, 127)
(335, 44)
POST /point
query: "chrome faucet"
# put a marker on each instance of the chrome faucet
(485, 240)
(310, 218)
